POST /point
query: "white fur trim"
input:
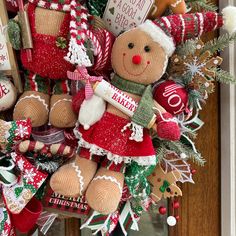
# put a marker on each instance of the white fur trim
(94, 149)
(77, 54)
(110, 178)
(229, 17)
(159, 36)
(91, 111)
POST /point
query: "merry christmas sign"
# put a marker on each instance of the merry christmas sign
(121, 15)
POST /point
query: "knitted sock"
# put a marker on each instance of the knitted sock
(105, 190)
(33, 105)
(167, 128)
(61, 114)
(72, 179)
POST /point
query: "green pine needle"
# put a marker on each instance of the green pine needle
(199, 5)
(219, 44)
(187, 48)
(165, 146)
(223, 76)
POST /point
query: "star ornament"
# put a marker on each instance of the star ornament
(200, 66)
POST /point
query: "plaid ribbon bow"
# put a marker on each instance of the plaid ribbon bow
(81, 73)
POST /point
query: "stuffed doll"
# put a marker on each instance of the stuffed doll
(139, 58)
(160, 6)
(53, 54)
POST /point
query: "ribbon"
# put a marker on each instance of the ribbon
(8, 175)
(81, 73)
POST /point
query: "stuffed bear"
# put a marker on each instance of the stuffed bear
(57, 29)
(139, 58)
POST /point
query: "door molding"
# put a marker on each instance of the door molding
(228, 141)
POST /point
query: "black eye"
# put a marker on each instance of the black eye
(168, 190)
(130, 45)
(147, 49)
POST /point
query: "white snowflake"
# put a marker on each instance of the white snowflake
(21, 131)
(195, 67)
(29, 175)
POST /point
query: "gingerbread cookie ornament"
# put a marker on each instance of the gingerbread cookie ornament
(163, 184)
(160, 6)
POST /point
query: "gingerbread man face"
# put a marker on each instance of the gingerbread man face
(136, 57)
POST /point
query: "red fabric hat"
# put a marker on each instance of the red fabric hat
(172, 30)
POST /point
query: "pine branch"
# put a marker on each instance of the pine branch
(199, 5)
(194, 98)
(223, 76)
(179, 148)
(187, 48)
(219, 44)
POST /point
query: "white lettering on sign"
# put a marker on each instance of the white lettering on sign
(116, 97)
(174, 100)
(4, 56)
(121, 15)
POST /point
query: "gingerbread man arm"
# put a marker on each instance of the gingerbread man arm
(160, 6)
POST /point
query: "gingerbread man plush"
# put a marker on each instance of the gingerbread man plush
(57, 29)
(139, 58)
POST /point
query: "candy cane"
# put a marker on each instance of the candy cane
(107, 49)
(63, 150)
(97, 45)
(28, 146)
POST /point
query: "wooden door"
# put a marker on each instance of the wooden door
(200, 204)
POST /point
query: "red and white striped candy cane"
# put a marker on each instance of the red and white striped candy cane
(62, 150)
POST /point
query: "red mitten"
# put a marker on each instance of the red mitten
(78, 99)
(167, 128)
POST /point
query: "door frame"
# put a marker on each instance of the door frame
(228, 141)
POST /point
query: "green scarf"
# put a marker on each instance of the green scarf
(144, 113)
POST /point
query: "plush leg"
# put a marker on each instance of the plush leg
(105, 191)
(61, 112)
(34, 102)
(72, 179)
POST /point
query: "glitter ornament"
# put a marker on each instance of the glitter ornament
(171, 221)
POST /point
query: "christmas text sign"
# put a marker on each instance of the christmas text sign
(121, 15)
(8, 62)
(4, 56)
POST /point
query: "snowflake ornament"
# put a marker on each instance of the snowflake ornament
(29, 175)
(200, 68)
(21, 131)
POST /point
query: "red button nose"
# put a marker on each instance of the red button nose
(137, 59)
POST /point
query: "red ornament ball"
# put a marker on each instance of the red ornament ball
(171, 96)
(177, 218)
(193, 171)
(162, 210)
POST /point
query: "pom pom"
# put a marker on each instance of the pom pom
(77, 100)
(229, 16)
